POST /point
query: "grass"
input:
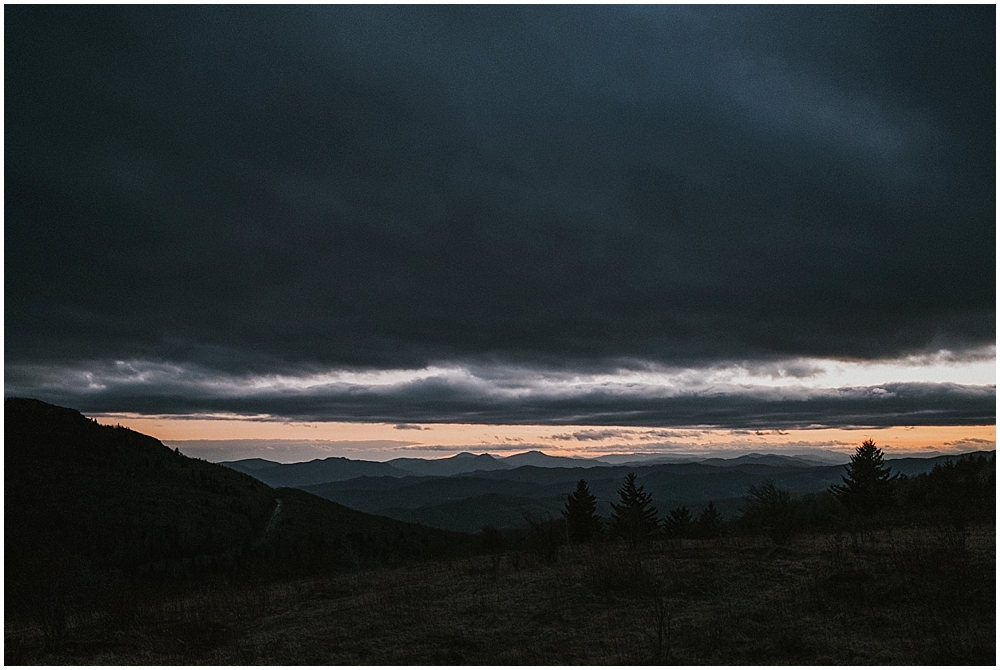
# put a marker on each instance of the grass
(903, 596)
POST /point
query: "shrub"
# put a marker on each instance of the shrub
(768, 508)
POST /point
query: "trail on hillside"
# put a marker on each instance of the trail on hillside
(272, 523)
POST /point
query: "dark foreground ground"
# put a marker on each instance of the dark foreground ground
(899, 596)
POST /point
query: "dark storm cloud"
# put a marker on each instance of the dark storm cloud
(259, 190)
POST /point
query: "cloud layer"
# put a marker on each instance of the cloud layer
(243, 192)
(460, 396)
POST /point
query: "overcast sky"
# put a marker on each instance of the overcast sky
(741, 217)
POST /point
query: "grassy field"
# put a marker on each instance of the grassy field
(900, 596)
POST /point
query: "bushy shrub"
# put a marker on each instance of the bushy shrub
(768, 509)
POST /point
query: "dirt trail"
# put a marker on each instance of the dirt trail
(272, 523)
(274, 518)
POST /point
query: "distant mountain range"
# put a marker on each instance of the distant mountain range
(335, 469)
(814, 457)
(467, 492)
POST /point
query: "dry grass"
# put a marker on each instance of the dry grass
(888, 597)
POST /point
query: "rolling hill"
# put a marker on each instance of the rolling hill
(337, 469)
(91, 500)
(317, 471)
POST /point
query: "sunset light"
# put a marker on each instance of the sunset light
(500, 335)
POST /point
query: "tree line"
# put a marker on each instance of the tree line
(956, 493)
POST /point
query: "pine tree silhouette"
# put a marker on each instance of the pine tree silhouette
(868, 485)
(678, 522)
(709, 523)
(634, 518)
(581, 514)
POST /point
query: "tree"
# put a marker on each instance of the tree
(709, 523)
(581, 514)
(868, 485)
(955, 492)
(634, 517)
(678, 522)
(768, 508)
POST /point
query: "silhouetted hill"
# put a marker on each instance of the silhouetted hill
(543, 460)
(815, 457)
(318, 471)
(117, 498)
(458, 464)
(915, 466)
(336, 469)
(775, 460)
(249, 465)
(87, 498)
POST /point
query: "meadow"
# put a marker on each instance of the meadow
(896, 596)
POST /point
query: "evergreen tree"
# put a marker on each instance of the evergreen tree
(581, 514)
(678, 522)
(634, 517)
(868, 485)
(709, 523)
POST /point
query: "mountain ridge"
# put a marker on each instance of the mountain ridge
(109, 498)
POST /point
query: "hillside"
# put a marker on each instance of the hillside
(86, 501)
(118, 499)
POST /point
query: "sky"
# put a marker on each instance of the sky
(374, 231)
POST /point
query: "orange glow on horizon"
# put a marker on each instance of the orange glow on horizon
(560, 440)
